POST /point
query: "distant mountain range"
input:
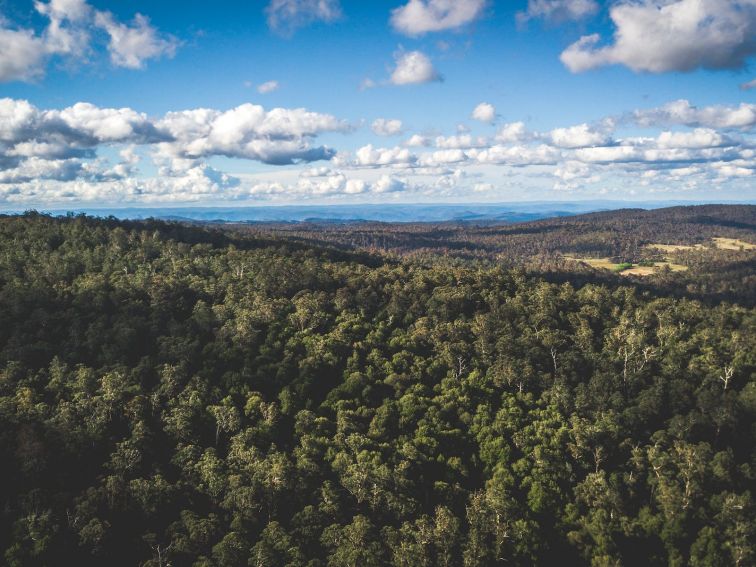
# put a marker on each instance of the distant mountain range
(473, 212)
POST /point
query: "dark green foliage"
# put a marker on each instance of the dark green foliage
(181, 396)
(623, 266)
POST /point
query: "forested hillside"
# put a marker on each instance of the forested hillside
(553, 245)
(175, 395)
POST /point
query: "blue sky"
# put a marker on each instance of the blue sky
(108, 103)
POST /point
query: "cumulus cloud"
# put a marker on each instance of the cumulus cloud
(24, 53)
(443, 157)
(287, 16)
(52, 155)
(610, 154)
(512, 132)
(418, 140)
(461, 141)
(673, 35)
(733, 170)
(268, 87)
(389, 184)
(55, 155)
(413, 68)
(387, 127)
(279, 136)
(682, 112)
(558, 10)
(370, 156)
(26, 130)
(583, 154)
(572, 170)
(519, 155)
(419, 17)
(67, 31)
(37, 168)
(698, 138)
(579, 136)
(484, 112)
(132, 45)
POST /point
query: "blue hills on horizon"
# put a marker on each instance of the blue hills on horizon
(393, 212)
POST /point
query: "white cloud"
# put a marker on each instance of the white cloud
(674, 35)
(609, 154)
(461, 141)
(443, 157)
(65, 133)
(558, 10)
(748, 85)
(24, 54)
(268, 87)
(278, 136)
(323, 181)
(51, 155)
(730, 170)
(131, 45)
(579, 136)
(72, 10)
(419, 17)
(389, 184)
(287, 16)
(484, 112)
(387, 127)
(67, 31)
(56, 155)
(512, 132)
(95, 125)
(37, 168)
(519, 155)
(682, 112)
(413, 68)
(698, 138)
(571, 170)
(369, 156)
(417, 140)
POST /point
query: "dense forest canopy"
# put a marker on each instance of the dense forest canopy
(193, 395)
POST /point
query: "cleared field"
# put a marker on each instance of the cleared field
(732, 244)
(672, 266)
(639, 271)
(719, 242)
(606, 264)
(673, 247)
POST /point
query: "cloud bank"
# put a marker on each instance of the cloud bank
(86, 153)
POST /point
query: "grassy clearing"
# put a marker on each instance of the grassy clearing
(732, 244)
(639, 271)
(632, 270)
(719, 242)
(673, 247)
(603, 263)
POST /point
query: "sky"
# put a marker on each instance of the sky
(138, 103)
